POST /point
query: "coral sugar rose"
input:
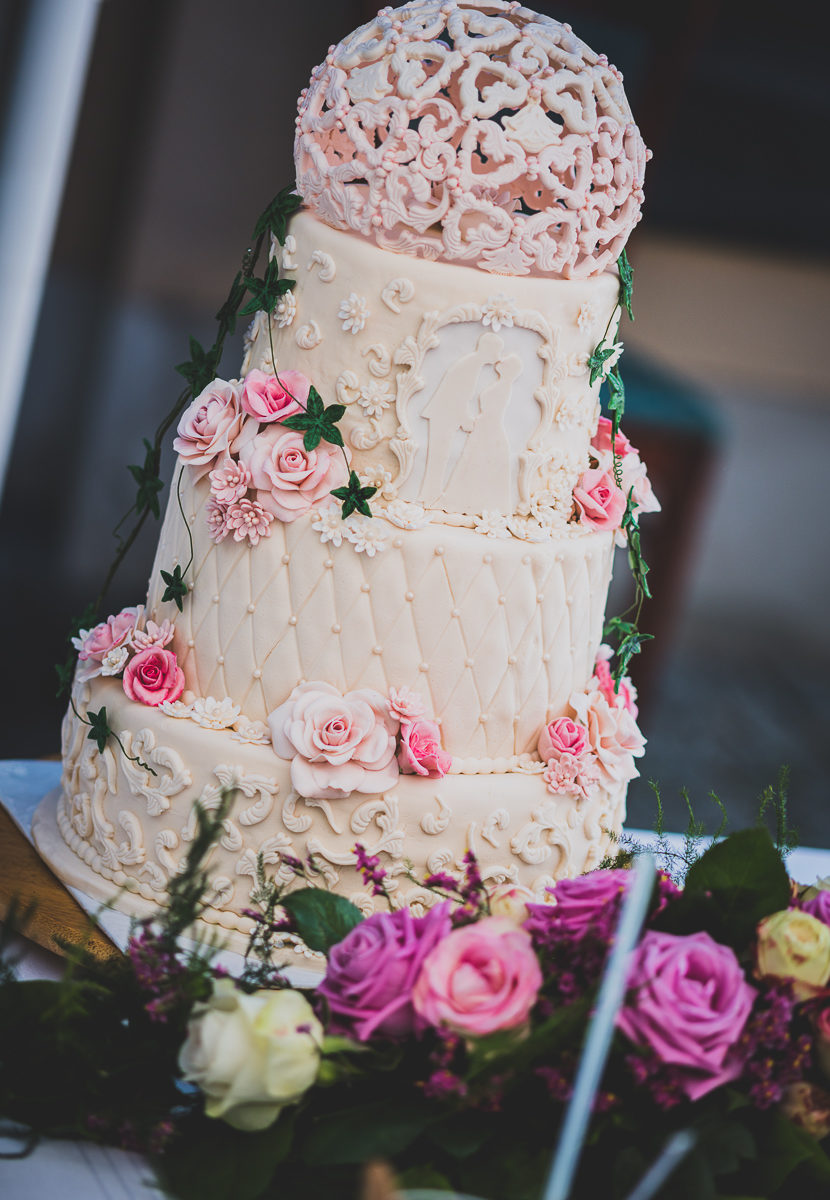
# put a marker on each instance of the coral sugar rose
(153, 676)
(479, 979)
(289, 479)
(688, 1001)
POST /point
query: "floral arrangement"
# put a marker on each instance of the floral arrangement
(448, 1043)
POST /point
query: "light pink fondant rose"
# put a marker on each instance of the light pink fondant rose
(688, 1001)
(420, 752)
(625, 695)
(289, 479)
(405, 704)
(479, 979)
(562, 736)
(337, 744)
(93, 645)
(612, 733)
(153, 676)
(600, 502)
(634, 476)
(601, 441)
(273, 398)
(210, 426)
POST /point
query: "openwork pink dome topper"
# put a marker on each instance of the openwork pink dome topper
(481, 133)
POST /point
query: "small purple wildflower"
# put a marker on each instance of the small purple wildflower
(370, 870)
(157, 971)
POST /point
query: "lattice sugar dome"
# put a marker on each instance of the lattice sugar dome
(483, 133)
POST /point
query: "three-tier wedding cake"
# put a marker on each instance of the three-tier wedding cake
(391, 538)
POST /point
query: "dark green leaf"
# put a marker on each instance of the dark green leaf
(354, 498)
(149, 484)
(626, 283)
(99, 731)
(460, 1134)
(275, 218)
(782, 1150)
(378, 1130)
(425, 1177)
(228, 312)
(321, 918)
(216, 1161)
(616, 398)
(202, 366)
(318, 422)
(176, 587)
(266, 292)
(597, 361)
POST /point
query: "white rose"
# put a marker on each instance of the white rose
(251, 1055)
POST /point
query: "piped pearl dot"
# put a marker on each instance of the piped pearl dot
(424, 667)
(439, 550)
(292, 620)
(251, 608)
(190, 586)
(335, 628)
(569, 599)
(540, 598)
(257, 674)
(286, 559)
(469, 662)
(328, 563)
(511, 658)
(398, 542)
(364, 587)
(526, 560)
(216, 599)
(220, 658)
(545, 658)
(409, 596)
(560, 557)
(191, 643)
(483, 718)
(488, 558)
(456, 612)
(501, 599)
(377, 650)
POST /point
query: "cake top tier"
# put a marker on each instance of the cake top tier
(482, 133)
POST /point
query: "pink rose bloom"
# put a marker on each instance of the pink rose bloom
(627, 693)
(562, 736)
(229, 481)
(634, 476)
(405, 704)
(209, 427)
(688, 1001)
(600, 502)
(601, 441)
(153, 676)
(583, 904)
(94, 644)
(337, 744)
(248, 519)
(289, 479)
(420, 752)
(371, 973)
(481, 978)
(572, 775)
(271, 398)
(612, 734)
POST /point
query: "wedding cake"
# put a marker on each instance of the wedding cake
(377, 604)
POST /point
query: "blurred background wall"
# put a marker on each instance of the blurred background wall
(186, 132)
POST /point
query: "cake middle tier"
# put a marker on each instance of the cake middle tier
(494, 633)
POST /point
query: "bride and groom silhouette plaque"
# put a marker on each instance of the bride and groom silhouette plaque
(480, 477)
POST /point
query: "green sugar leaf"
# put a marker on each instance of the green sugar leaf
(202, 366)
(266, 292)
(626, 283)
(276, 216)
(176, 587)
(149, 484)
(354, 497)
(99, 730)
(597, 361)
(616, 398)
(318, 423)
(228, 312)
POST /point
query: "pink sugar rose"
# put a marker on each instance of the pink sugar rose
(289, 479)
(571, 774)
(210, 426)
(420, 752)
(562, 736)
(627, 693)
(600, 502)
(481, 978)
(248, 519)
(688, 1001)
(612, 733)
(337, 744)
(371, 973)
(273, 398)
(601, 441)
(405, 704)
(153, 676)
(229, 481)
(93, 645)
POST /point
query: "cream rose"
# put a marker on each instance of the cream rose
(337, 744)
(251, 1055)
(289, 479)
(210, 426)
(612, 734)
(794, 945)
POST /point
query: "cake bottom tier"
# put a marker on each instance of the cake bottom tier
(132, 828)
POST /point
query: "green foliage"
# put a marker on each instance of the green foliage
(321, 918)
(616, 400)
(149, 484)
(626, 283)
(380, 1129)
(319, 422)
(187, 889)
(99, 730)
(176, 588)
(267, 292)
(597, 361)
(354, 497)
(774, 803)
(276, 216)
(202, 366)
(216, 1162)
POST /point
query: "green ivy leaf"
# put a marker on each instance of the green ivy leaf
(638, 565)
(228, 312)
(149, 484)
(616, 398)
(202, 367)
(597, 361)
(318, 422)
(275, 218)
(99, 731)
(266, 292)
(321, 918)
(176, 587)
(65, 672)
(630, 645)
(354, 497)
(626, 283)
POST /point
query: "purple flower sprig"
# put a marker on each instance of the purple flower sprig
(370, 870)
(775, 1053)
(158, 973)
(469, 893)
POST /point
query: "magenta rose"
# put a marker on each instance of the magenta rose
(371, 973)
(337, 744)
(93, 645)
(562, 736)
(600, 502)
(688, 1001)
(420, 752)
(818, 906)
(289, 479)
(153, 676)
(273, 398)
(481, 978)
(586, 903)
(210, 426)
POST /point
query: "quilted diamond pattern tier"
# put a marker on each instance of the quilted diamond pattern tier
(495, 633)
